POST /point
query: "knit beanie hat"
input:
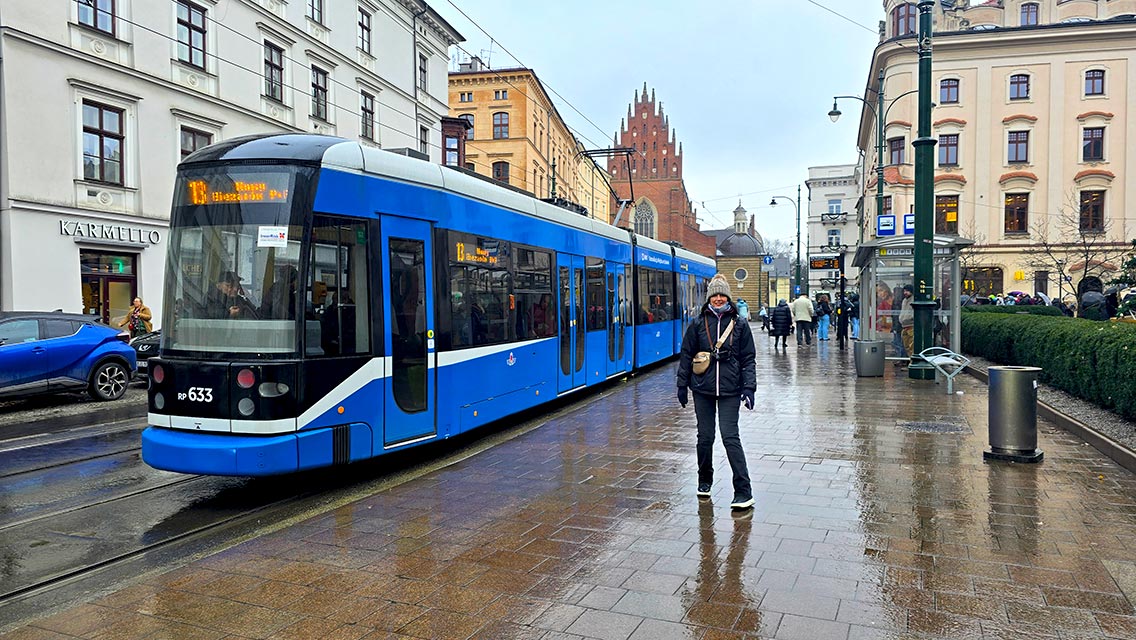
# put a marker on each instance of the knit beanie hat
(718, 285)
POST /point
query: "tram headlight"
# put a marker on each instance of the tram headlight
(272, 389)
(246, 406)
(159, 401)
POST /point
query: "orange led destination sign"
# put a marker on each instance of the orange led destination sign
(478, 255)
(263, 188)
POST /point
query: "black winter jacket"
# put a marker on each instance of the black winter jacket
(734, 370)
(782, 319)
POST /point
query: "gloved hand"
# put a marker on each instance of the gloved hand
(747, 399)
(683, 396)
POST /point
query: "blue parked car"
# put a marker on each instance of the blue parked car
(49, 352)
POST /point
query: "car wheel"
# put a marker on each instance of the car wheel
(108, 382)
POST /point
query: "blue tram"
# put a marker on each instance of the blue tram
(327, 302)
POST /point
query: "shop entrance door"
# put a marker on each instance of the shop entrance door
(109, 285)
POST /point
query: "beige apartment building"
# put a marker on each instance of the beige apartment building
(1033, 101)
(518, 137)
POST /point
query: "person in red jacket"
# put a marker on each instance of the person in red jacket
(729, 381)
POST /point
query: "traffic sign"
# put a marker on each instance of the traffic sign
(767, 260)
(797, 290)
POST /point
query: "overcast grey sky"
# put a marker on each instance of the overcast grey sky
(747, 84)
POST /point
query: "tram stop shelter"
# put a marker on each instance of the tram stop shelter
(886, 265)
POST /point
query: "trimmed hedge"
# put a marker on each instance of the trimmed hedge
(1095, 361)
(1033, 309)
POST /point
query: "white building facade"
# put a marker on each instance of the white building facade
(100, 100)
(832, 223)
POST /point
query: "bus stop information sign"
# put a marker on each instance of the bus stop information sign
(825, 262)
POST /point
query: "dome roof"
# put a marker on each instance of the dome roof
(741, 244)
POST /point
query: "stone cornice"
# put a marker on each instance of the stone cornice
(958, 121)
(1024, 175)
(1094, 173)
(1094, 114)
(1019, 116)
(898, 123)
(950, 177)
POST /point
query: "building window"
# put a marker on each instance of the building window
(1019, 86)
(273, 72)
(895, 149)
(835, 207)
(451, 154)
(501, 172)
(1094, 82)
(948, 150)
(1018, 146)
(1092, 212)
(315, 10)
(319, 93)
(468, 117)
(500, 125)
(367, 115)
(946, 214)
(364, 31)
(424, 140)
(834, 237)
(192, 140)
(887, 206)
(1017, 213)
(645, 219)
(503, 94)
(467, 96)
(423, 81)
(470, 166)
(948, 91)
(103, 140)
(1029, 14)
(903, 20)
(1092, 144)
(97, 14)
(191, 34)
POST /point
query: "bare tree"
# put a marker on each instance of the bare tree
(777, 247)
(1075, 247)
(971, 258)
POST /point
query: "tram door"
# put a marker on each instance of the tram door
(617, 308)
(570, 283)
(408, 331)
(682, 309)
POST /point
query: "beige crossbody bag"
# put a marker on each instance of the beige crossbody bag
(701, 361)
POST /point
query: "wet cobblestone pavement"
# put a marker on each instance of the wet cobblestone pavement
(589, 527)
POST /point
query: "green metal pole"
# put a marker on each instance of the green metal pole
(880, 146)
(923, 303)
(805, 286)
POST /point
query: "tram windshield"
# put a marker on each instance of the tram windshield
(233, 276)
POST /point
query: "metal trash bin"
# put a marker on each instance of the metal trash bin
(1013, 414)
(869, 358)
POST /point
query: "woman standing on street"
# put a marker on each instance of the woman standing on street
(721, 388)
(137, 320)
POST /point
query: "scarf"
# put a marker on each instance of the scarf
(720, 312)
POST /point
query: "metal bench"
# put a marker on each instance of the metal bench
(948, 363)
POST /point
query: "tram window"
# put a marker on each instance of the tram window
(655, 296)
(337, 325)
(532, 291)
(597, 320)
(482, 307)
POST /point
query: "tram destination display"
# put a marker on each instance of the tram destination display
(226, 188)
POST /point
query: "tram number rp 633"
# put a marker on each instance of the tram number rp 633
(197, 394)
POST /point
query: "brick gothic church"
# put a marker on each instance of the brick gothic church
(661, 208)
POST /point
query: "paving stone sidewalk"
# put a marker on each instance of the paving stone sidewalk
(876, 518)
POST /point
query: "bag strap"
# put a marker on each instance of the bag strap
(722, 338)
(706, 324)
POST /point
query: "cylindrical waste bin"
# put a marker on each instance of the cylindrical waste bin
(869, 358)
(1013, 414)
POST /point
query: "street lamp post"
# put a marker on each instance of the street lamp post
(797, 207)
(924, 304)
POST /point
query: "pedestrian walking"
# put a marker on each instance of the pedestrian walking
(763, 313)
(824, 313)
(781, 320)
(803, 312)
(137, 320)
(728, 381)
(907, 321)
(854, 315)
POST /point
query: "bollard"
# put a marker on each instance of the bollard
(1013, 414)
(868, 356)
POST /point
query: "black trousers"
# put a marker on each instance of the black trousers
(727, 408)
(805, 330)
